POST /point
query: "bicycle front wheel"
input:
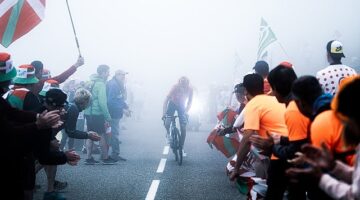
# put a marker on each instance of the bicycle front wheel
(175, 143)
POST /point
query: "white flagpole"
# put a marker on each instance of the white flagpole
(72, 23)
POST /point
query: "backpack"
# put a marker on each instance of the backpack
(89, 85)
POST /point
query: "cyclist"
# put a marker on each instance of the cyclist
(179, 99)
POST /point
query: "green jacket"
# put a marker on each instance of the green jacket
(99, 100)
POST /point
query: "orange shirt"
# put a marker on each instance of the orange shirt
(264, 113)
(296, 122)
(328, 128)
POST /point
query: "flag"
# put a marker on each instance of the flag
(226, 145)
(18, 17)
(267, 37)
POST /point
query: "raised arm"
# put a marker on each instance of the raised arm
(66, 74)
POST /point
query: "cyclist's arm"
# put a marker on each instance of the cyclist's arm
(188, 106)
(167, 99)
(165, 104)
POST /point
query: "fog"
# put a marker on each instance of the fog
(210, 41)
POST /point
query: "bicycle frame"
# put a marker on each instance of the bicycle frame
(176, 139)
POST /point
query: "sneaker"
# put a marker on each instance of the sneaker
(91, 161)
(83, 150)
(118, 158)
(108, 161)
(58, 185)
(184, 154)
(53, 196)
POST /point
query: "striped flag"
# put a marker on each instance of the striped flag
(226, 145)
(267, 37)
(18, 17)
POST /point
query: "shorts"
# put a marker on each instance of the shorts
(95, 123)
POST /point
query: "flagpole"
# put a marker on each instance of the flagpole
(72, 23)
(281, 46)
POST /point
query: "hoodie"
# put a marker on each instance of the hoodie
(98, 101)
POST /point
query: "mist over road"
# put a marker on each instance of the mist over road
(202, 175)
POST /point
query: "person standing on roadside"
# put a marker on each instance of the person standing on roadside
(97, 115)
(116, 97)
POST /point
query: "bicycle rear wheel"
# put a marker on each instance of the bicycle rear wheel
(180, 155)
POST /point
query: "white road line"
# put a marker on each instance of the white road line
(161, 166)
(166, 150)
(152, 190)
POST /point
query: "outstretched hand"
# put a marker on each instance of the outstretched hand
(299, 159)
(263, 143)
(225, 131)
(317, 160)
(94, 136)
(322, 157)
(311, 174)
(48, 120)
(72, 157)
(80, 61)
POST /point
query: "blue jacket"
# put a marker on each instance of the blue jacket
(116, 94)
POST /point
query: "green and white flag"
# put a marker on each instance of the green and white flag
(267, 37)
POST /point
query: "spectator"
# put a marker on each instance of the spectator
(263, 114)
(262, 68)
(98, 116)
(21, 127)
(116, 96)
(331, 76)
(337, 179)
(281, 79)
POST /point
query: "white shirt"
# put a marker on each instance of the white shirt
(331, 76)
(344, 181)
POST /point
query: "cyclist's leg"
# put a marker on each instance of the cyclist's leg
(183, 122)
(170, 111)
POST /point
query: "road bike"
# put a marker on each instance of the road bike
(176, 138)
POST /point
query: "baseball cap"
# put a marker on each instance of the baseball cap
(335, 48)
(261, 67)
(56, 97)
(119, 71)
(239, 88)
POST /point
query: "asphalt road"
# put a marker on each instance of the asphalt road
(202, 175)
